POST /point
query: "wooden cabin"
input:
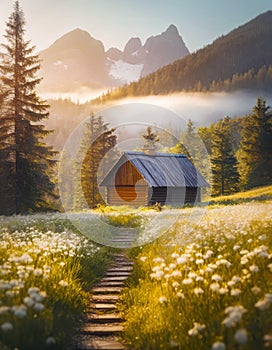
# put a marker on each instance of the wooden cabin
(142, 179)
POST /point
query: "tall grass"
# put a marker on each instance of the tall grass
(46, 271)
(210, 289)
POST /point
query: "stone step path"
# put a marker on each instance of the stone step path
(102, 324)
(125, 238)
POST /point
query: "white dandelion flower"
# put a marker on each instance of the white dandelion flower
(215, 287)
(218, 346)
(198, 290)
(254, 268)
(256, 290)
(38, 307)
(63, 283)
(7, 326)
(216, 278)
(223, 290)
(172, 266)
(19, 311)
(4, 310)
(235, 292)
(241, 336)
(162, 300)
(187, 281)
(50, 341)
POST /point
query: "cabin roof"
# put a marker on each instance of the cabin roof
(161, 170)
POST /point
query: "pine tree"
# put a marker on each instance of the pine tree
(194, 148)
(6, 164)
(255, 154)
(97, 140)
(187, 141)
(27, 157)
(150, 140)
(223, 159)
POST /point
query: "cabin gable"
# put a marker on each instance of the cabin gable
(128, 187)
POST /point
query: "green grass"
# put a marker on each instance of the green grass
(46, 272)
(209, 289)
(256, 194)
(173, 299)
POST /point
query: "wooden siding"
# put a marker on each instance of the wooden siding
(127, 195)
(128, 187)
(174, 196)
(127, 175)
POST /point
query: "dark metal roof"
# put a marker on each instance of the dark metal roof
(161, 170)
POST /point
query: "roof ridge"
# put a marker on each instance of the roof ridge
(158, 154)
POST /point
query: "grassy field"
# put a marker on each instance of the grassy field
(257, 194)
(210, 289)
(46, 270)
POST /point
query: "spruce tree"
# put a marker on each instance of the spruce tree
(187, 144)
(26, 155)
(255, 154)
(6, 163)
(223, 160)
(194, 148)
(97, 140)
(150, 140)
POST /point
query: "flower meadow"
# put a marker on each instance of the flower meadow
(209, 289)
(46, 270)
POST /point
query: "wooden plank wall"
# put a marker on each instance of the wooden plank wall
(174, 196)
(127, 175)
(128, 195)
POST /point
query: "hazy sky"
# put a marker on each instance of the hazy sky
(115, 21)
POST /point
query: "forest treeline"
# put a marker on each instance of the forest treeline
(239, 150)
(241, 59)
(232, 154)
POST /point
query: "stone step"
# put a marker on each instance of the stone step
(118, 274)
(122, 242)
(98, 329)
(114, 278)
(100, 343)
(106, 290)
(123, 239)
(104, 318)
(122, 259)
(111, 284)
(123, 245)
(123, 263)
(105, 298)
(120, 269)
(103, 306)
(119, 255)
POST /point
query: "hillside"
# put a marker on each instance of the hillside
(240, 59)
(256, 194)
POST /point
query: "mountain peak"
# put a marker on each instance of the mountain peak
(78, 39)
(133, 45)
(172, 29)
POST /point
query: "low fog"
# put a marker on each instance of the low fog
(169, 111)
(201, 108)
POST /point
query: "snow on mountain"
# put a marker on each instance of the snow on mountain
(158, 51)
(77, 59)
(124, 72)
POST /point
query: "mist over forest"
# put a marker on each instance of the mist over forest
(201, 108)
